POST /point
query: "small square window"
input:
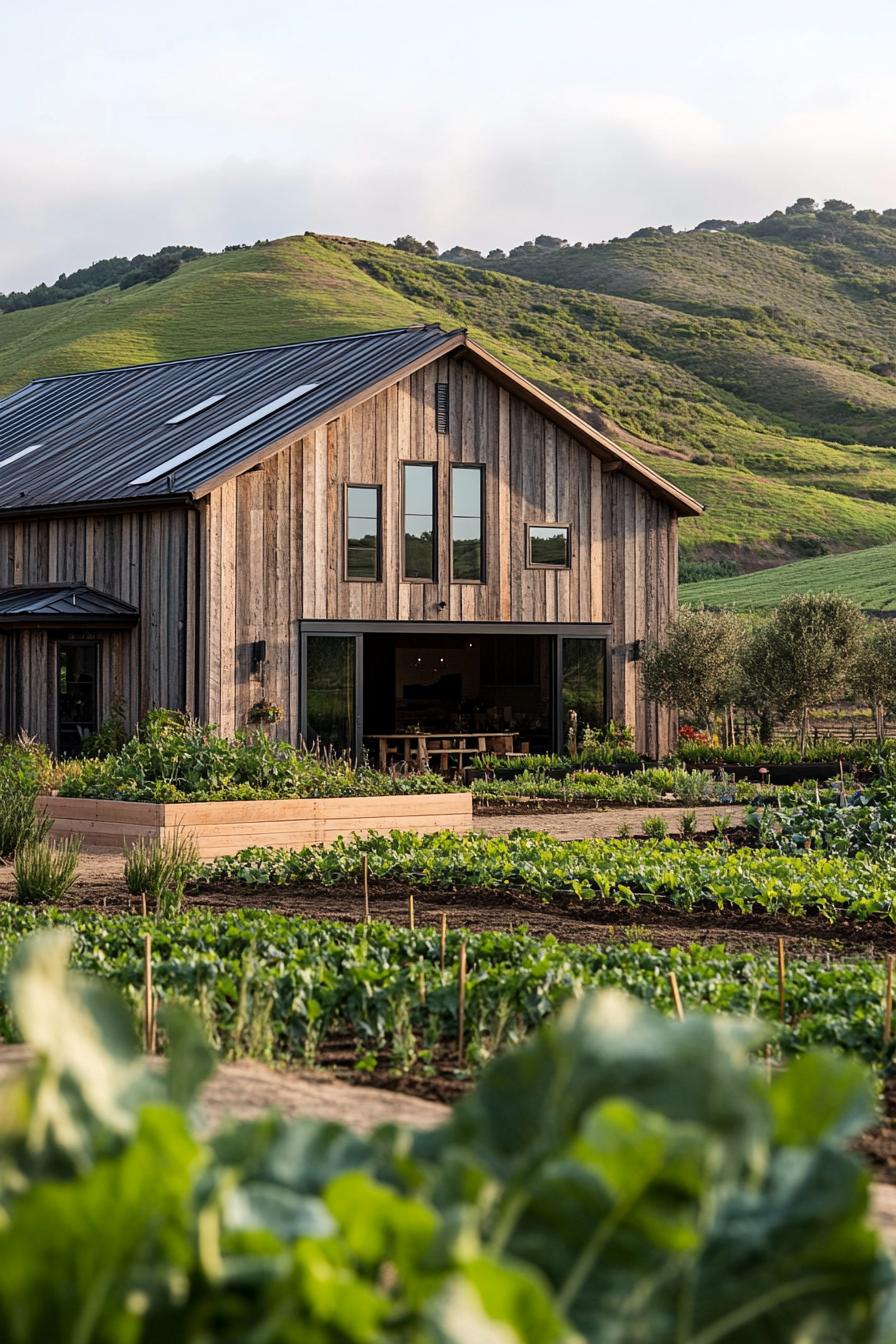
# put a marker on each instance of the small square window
(547, 546)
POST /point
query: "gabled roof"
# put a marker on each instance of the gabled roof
(63, 604)
(174, 431)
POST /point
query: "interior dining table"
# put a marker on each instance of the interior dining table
(421, 750)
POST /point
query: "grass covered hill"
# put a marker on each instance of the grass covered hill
(868, 577)
(740, 366)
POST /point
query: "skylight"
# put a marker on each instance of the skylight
(194, 410)
(214, 439)
(23, 452)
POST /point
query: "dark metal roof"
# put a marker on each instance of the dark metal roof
(99, 432)
(63, 604)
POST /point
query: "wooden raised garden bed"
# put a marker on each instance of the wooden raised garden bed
(225, 828)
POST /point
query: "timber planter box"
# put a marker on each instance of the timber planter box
(226, 828)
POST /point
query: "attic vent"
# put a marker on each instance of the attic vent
(165, 468)
(441, 408)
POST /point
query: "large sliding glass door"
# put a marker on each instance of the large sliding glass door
(527, 679)
(331, 692)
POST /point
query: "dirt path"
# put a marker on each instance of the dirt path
(245, 1089)
(588, 825)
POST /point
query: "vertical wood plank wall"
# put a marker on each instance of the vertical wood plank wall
(272, 543)
(147, 559)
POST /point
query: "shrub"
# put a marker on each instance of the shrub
(802, 656)
(25, 771)
(695, 668)
(656, 828)
(44, 870)
(175, 759)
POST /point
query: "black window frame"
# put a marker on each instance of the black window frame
(362, 578)
(433, 469)
(540, 564)
(467, 466)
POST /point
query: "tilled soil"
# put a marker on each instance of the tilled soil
(483, 909)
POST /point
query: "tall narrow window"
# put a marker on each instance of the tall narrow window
(419, 525)
(466, 524)
(363, 548)
(77, 694)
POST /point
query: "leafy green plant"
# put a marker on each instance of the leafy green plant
(275, 987)
(656, 828)
(111, 735)
(622, 871)
(177, 759)
(580, 1193)
(687, 825)
(45, 870)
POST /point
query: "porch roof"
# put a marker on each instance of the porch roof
(57, 604)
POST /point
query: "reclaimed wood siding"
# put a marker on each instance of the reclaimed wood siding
(145, 558)
(273, 541)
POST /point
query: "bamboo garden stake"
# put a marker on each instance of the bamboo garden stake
(461, 1000)
(443, 940)
(888, 1001)
(364, 866)
(143, 902)
(676, 997)
(410, 910)
(781, 979)
(149, 1015)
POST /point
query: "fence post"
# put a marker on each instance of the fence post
(676, 997)
(148, 1005)
(461, 1000)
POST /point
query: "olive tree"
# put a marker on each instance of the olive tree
(695, 667)
(874, 677)
(802, 657)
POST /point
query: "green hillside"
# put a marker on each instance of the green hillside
(747, 362)
(868, 577)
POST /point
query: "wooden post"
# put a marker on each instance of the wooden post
(781, 979)
(461, 1000)
(364, 875)
(148, 1031)
(143, 902)
(888, 1001)
(443, 940)
(676, 997)
(410, 909)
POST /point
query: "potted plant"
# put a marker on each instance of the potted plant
(265, 711)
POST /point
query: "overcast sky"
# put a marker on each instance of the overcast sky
(125, 126)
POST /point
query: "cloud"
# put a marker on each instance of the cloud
(243, 148)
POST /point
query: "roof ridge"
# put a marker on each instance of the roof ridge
(248, 350)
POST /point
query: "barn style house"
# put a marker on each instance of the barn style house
(386, 542)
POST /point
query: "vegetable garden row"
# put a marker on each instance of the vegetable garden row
(625, 872)
(275, 987)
